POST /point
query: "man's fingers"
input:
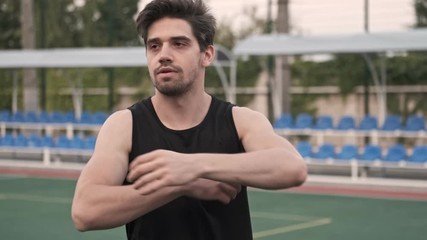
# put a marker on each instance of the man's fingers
(230, 189)
(148, 178)
(140, 170)
(151, 187)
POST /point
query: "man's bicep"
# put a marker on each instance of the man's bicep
(256, 132)
(109, 162)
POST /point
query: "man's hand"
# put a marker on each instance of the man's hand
(160, 168)
(206, 189)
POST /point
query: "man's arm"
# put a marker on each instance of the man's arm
(100, 201)
(270, 161)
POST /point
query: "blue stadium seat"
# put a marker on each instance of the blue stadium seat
(346, 123)
(31, 117)
(395, 153)
(76, 143)
(324, 122)
(304, 148)
(392, 123)
(6, 140)
(46, 141)
(44, 117)
(20, 141)
(57, 117)
(419, 154)
(86, 118)
(368, 123)
(415, 123)
(284, 121)
(62, 142)
(69, 117)
(303, 121)
(89, 142)
(4, 116)
(17, 117)
(371, 152)
(347, 152)
(100, 117)
(325, 151)
(34, 140)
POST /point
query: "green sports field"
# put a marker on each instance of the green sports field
(37, 208)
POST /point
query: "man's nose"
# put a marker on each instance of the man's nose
(165, 54)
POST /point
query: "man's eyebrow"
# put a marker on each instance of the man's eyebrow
(177, 38)
(174, 38)
(151, 40)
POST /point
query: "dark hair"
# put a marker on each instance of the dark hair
(194, 12)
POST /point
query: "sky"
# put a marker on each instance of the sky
(314, 17)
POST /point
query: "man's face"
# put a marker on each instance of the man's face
(174, 59)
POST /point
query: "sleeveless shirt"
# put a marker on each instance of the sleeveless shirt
(187, 218)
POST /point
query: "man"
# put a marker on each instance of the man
(176, 165)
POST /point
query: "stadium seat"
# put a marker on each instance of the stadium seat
(419, 154)
(347, 152)
(4, 116)
(44, 117)
(17, 117)
(304, 148)
(99, 117)
(6, 140)
(62, 142)
(69, 117)
(284, 121)
(323, 123)
(46, 141)
(368, 123)
(346, 123)
(57, 117)
(395, 153)
(392, 123)
(303, 121)
(325, 151)
(76, 143)
(86, 118)
(89, 142)
(371, 152)
(31, 117)
(34, 140)
(20, 141)
(415, 123)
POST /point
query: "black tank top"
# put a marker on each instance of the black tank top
(187, 218)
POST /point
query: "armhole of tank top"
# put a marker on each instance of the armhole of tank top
(132, 111)
(233, 126)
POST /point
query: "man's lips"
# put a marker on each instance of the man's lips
(164, 70)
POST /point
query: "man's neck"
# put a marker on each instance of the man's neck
(181, 112)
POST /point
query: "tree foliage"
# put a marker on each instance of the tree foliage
(421, 13)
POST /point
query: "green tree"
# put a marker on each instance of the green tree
(10, 35)
(421, 13)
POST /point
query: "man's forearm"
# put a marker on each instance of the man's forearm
(268, 169)
(102, 207)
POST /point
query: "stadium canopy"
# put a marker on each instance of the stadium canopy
(73, 57)
(359, 43)
(100, 57)
(281, 44)
(87, 57)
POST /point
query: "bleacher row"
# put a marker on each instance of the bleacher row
(346, 122)
(47, 141)
(396, 153)
(52, 117)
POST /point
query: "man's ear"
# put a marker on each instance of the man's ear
(208, 56)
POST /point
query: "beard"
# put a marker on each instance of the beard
(178, 86)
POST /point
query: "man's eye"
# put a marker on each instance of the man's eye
(153, 46)
(179, 44)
